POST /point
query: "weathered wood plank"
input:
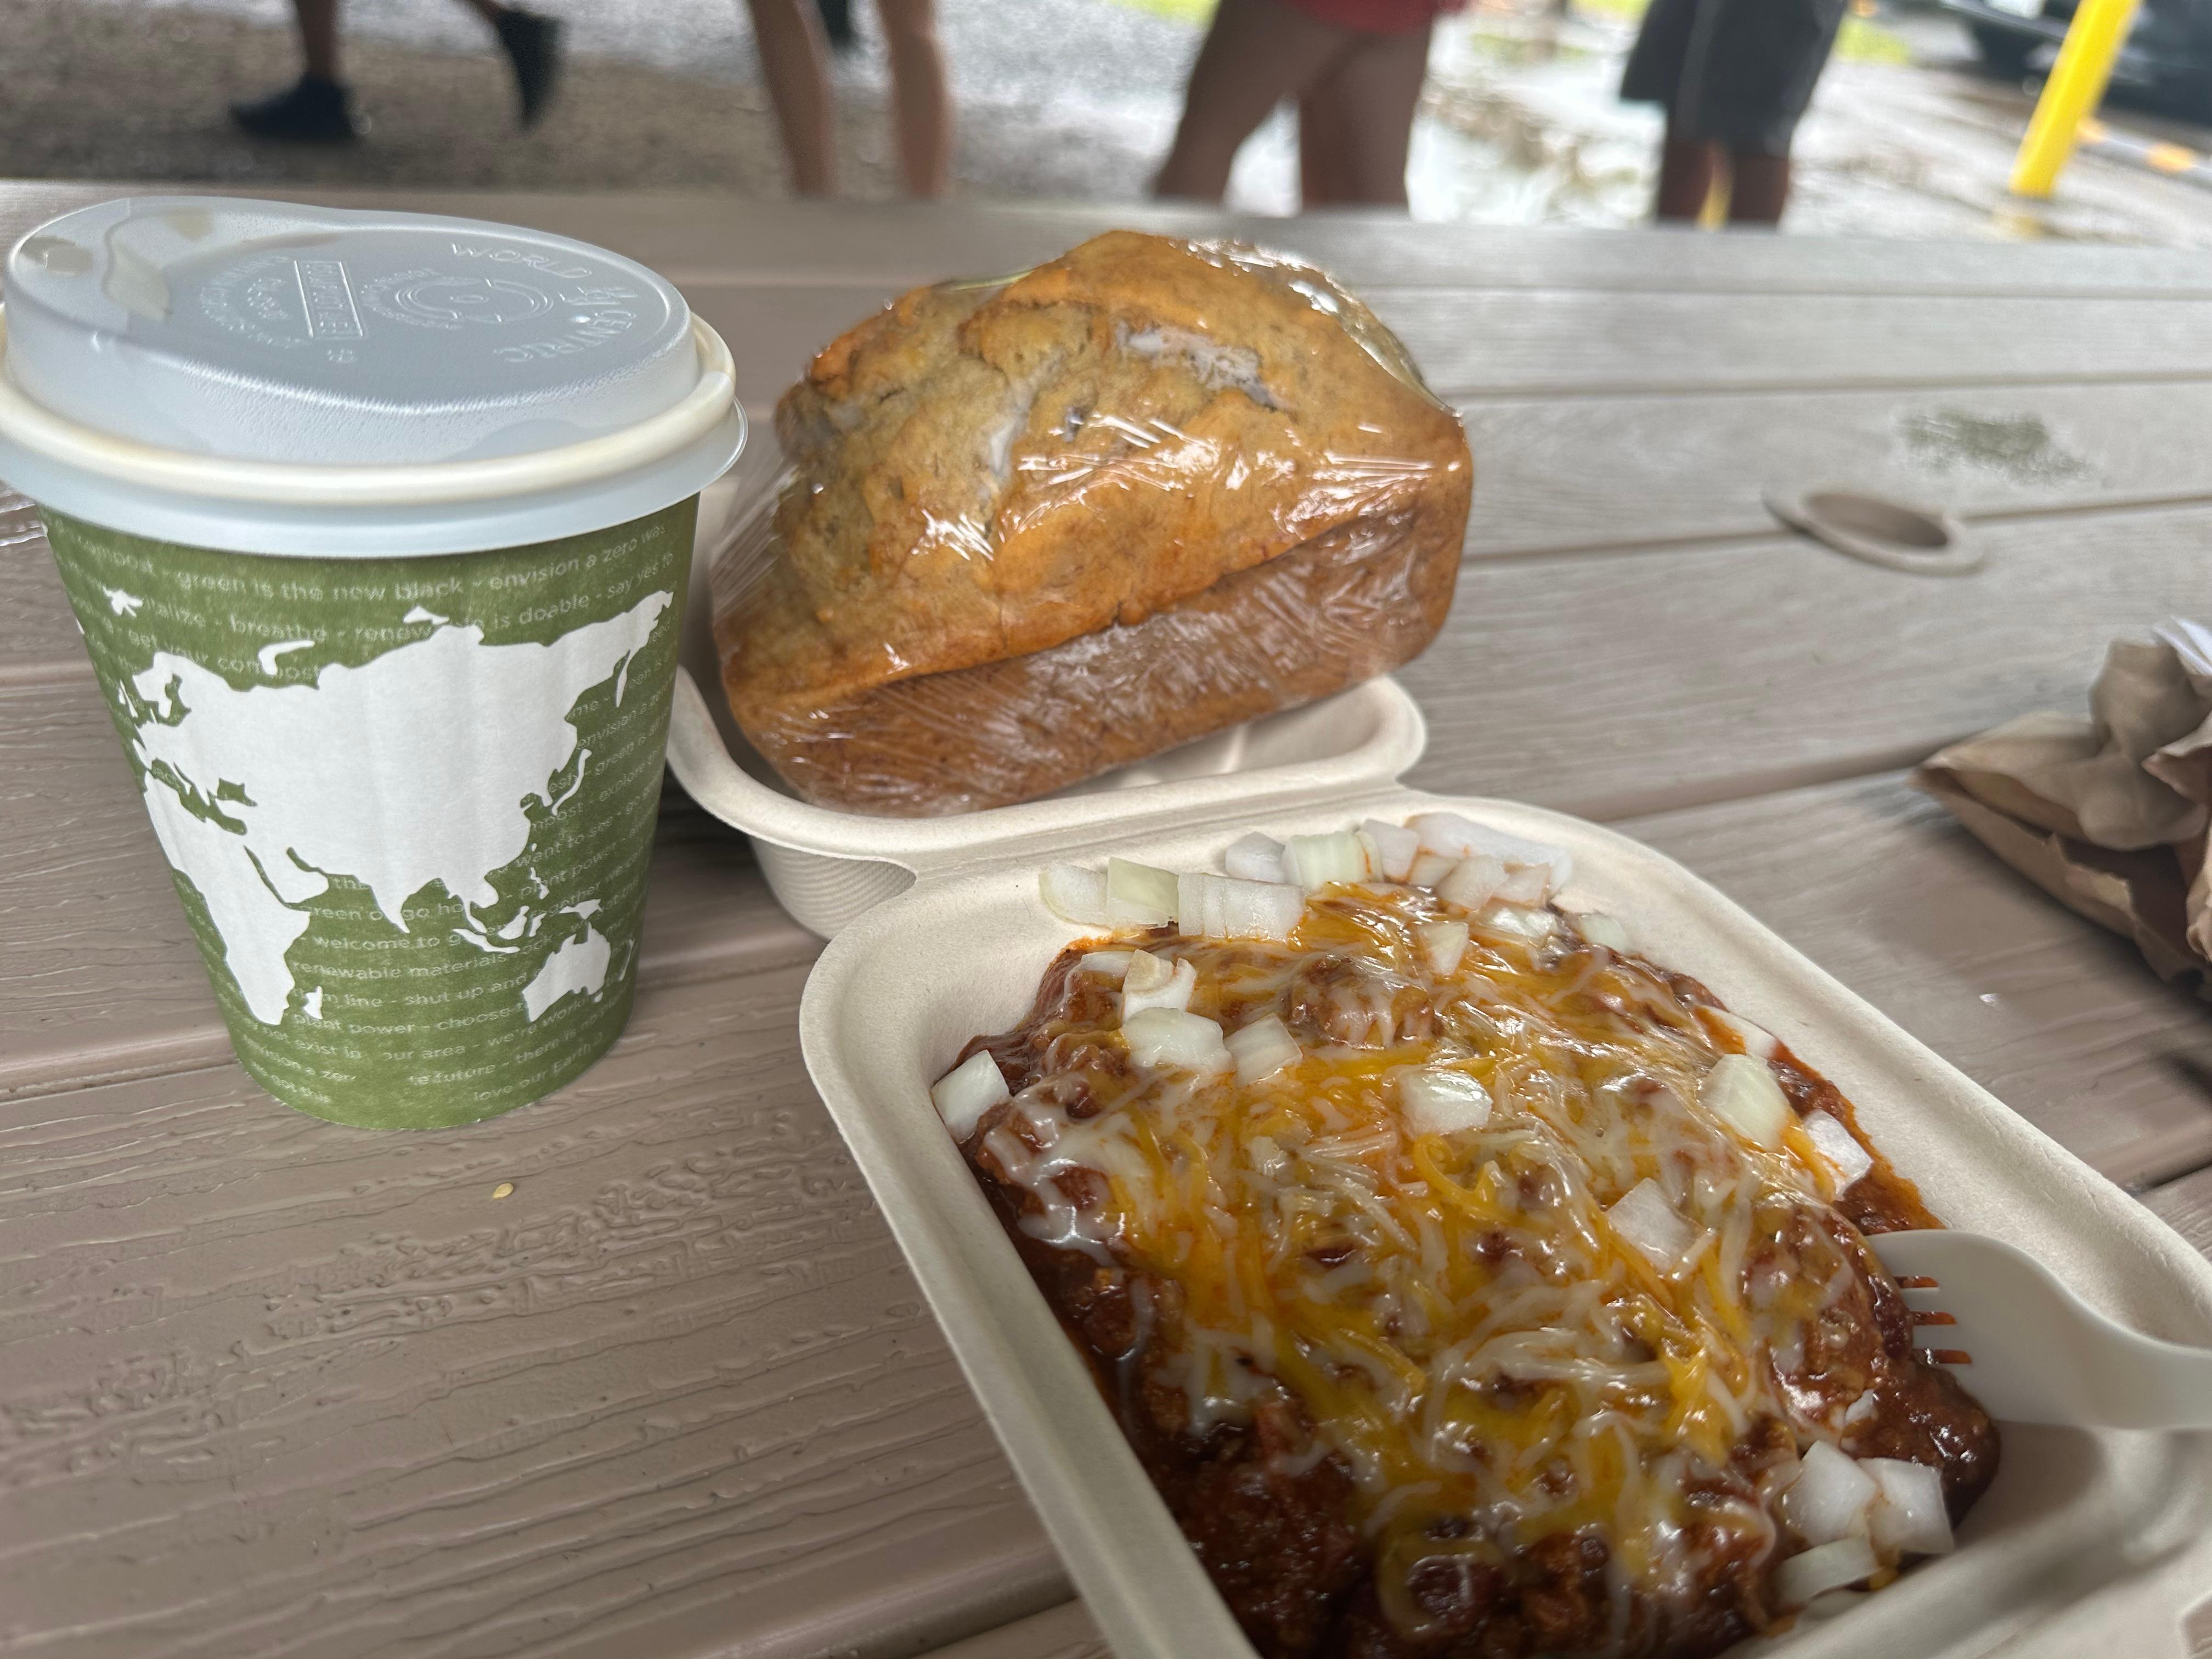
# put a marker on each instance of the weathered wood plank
(1502, 343)
(2058, 1018)
(1675, 470)
(1677, 467)
(2185, 1205)
(1611, 686)
(1062, 1633)
(1475, 345)
(909, 243)
(38, 635)
(690, 233)
(100, 973)
(1569, 474)
(1603, 684)
(272, 1383)
(681, 1392)
(1587, 344)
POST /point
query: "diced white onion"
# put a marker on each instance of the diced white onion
(1456, 837)
(1860, 1408)
(1176, 993)
(1261, 1048)
(1429, 868)
(970, 1089)
(1145, 972)
(1909, 1516)
(1107, 964)
(1255, 857)
(1369, 852)
(1743, 1093)
(1839, 1146)
(1074, 894)
(1534, 926)
(1172, 1036)
(1755, 1040)
(1599, 928)
(1317, 860)
(1832, 1566)
(1198, 907)
(1263, 909)
(1437, 1101)
(1397, 846)
(1443, 943)
(1831, 1497)
(1138, 895)
(1224, 907)
(1530, 885)
(1649, 1225)
(1472, 881)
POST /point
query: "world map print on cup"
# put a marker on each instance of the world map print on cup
(408, 803)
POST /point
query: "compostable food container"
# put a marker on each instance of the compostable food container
(2089, 1540)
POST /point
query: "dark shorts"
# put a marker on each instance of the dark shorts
(1735, 72)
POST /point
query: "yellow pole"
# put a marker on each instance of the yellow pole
(2076, 84)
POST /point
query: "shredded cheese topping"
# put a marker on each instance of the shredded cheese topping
(1495, 1351)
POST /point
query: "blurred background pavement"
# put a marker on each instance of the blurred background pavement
(1909, 135)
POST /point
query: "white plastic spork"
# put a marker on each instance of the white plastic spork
(2038, 1353)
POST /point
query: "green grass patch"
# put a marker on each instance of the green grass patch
(1182, 11)
(1862, 42)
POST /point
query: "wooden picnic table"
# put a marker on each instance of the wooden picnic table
(272, 1386)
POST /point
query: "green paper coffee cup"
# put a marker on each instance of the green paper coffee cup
(379, 530)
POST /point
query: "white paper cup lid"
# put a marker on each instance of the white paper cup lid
(240, 373)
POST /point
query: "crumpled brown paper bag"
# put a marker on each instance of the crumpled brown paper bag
(2108, 814)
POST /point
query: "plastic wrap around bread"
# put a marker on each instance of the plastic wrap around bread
(1036, 528)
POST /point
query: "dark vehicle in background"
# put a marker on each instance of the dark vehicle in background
(2168, 50)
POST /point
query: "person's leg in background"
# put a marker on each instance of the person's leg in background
(1687, 171)
(1325, 176)
(795, 61)
(1656, 73)
(1256, 54)
(1758, 64)
(1356, 121)
(1758, 186)
(318, 36)
(922, 103)
(533, 46)
(837, 24)
(318, 106)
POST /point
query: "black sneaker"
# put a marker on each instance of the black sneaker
(311, 110)
(532, 45)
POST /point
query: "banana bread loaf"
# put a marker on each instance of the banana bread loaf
(1035, 529)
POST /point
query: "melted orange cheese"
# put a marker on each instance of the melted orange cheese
(1458, 1313)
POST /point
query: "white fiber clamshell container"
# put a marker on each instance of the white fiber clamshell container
(2089, 1541)
(826, 867)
